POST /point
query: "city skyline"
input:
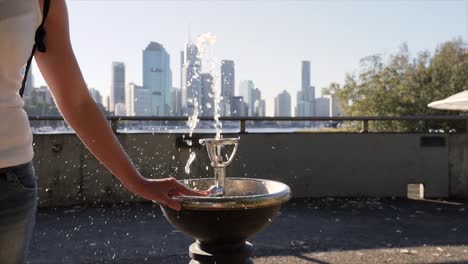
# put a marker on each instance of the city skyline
(334, 36)
(154, 97)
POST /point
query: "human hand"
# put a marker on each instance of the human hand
(162, 191)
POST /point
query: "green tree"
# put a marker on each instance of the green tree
(404, 86)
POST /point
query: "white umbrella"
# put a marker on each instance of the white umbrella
(457, 101)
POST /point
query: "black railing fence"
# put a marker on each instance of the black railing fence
(364, 120)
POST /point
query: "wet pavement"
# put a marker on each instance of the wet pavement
(320, 231)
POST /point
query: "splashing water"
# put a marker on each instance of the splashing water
(189, 162)
(205, 43)
(193, 119)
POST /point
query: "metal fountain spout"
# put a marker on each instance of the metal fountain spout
(219, 161)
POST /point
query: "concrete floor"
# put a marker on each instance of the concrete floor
(317, 231)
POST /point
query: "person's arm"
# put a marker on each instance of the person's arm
(61, 71)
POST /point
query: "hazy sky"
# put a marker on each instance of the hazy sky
(267, 39)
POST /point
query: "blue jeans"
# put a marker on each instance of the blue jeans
(18, 201)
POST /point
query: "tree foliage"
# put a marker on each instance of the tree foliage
(404, 86)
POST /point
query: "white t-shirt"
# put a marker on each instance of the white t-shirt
(19, 20)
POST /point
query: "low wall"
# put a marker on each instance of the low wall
(312, 164)
(458, 166)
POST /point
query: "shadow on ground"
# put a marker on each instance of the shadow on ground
(317, 231)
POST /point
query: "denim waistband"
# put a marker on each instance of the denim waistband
(6, 169)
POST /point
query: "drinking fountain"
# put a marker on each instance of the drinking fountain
(235, 209)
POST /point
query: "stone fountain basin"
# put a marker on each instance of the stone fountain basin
(248, 206)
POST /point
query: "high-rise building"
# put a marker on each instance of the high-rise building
(42, 95)
(96, 95)
(298, 110)
(207, 98)
(228, 78)
(334, 109)
(181, 67)
(157, 78)
(256, 97)
(322, 106)
(258, 105)
(283, 104)
(305, 77)
(191, 89)
(176, 105)
(239, 107)
(261, 110)
(106, 102)
(117, 92)
(120, 109)
(138, 100)
(306, 96)
(246, 89)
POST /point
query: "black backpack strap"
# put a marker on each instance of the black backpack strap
(39, 44)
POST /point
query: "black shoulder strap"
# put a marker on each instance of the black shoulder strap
(38, 44)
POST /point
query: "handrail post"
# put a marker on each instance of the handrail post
(242, 126)
(114, 125)
(365, 126)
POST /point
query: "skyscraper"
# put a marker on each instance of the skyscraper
(322, 106)
(334, 109)
(239, 107)
(261, 110)
(117, 92)
(107, 102)
(191, 89)
(283, 104)
(207, 98)
(181, 67)
(42, 95)
(299, 109)
(246, 89)
(305, 76)
(138, 100)
(157, 78)
(120, 109)
(258, 105)
(96, 95)
(305, 97)
(227, 85)
(176, 105)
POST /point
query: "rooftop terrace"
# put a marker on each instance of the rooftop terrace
(87, 217)
(318, 231)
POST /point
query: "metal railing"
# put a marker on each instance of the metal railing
(114, 120)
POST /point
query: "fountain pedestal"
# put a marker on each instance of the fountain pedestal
(222, 225)
(202, 253)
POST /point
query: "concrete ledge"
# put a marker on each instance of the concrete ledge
(313, 165)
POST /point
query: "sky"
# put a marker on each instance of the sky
(267, 39)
